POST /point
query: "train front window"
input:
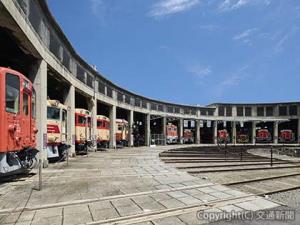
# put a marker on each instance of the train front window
(81, 120)
(25, 104)
(53, 113)
(99, 123)
(12, 93)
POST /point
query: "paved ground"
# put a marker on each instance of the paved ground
(128, 186)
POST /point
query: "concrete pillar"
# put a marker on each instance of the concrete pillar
(216, 132)
(39, 78)
(112, 117)
(254, 132)
(93, 109)
(70, 102)
(275, 132)
(130, 124)
(164, 129)
(180, 131)
(147, 130)
(234, 133)
(198, 132)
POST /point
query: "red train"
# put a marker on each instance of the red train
(286, 136)
(223, 136)
(17, 123)
(263, 135)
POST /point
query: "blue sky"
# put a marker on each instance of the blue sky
(190, 51)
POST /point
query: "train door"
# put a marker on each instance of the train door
(26, 121)
(89, 128)
(64, 125)
(33, 115)
(123, 131)
(12, 109)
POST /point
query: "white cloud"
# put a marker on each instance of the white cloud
(231, 80)
(97, 7)
(280, 45)
(199, 70)
(245, 36)
(229, 5)
(168, 7)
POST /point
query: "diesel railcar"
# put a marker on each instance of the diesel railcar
(83, 130)
(286, 136)
(56, 130)
(263, 135)
(188, 136)
(172, 133)
(122, 133)
(103, 131)
(17, 123)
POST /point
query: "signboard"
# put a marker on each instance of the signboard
(186, 123)
(208, 124)
(192, 123)
(201, 123)
(224, 123)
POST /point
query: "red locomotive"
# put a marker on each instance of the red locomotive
(188, 136)
(286, 136)
(242, 137)
(223, 136)
(17, 123)
(263, 135)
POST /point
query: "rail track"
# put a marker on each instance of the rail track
(270, 184)
(242, 169)
(201, 160)
(232, 165)
(217, 161)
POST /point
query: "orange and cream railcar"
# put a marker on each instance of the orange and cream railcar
(56, 130)
(188, 136)
(172, 133)
(122, 132)
(83, 130)
(103, 131)
(17, 123)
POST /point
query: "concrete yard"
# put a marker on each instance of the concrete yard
(126, 186)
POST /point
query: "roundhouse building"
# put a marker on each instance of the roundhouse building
(32, 43)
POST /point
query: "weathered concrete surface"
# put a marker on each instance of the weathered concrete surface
(116, 184)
